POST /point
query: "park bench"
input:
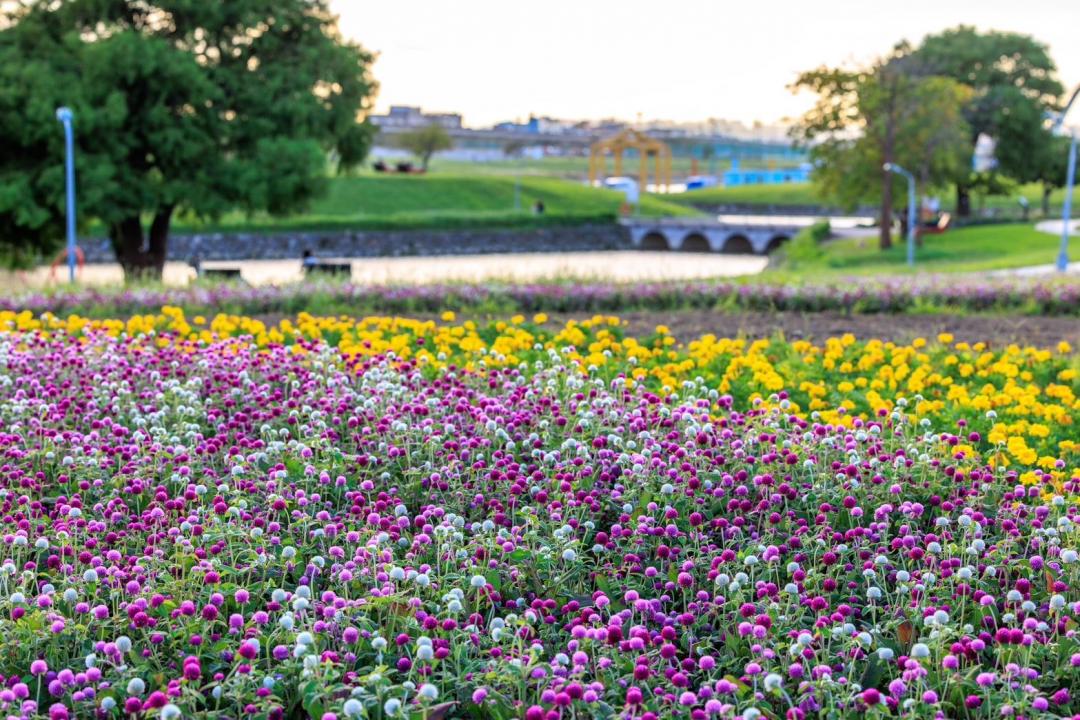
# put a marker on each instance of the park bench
(943, 224)
(223, 273)
(330, 269)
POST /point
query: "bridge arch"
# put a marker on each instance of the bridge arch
(695, 243)
(776, 241)
(655, 240)
(738, 244)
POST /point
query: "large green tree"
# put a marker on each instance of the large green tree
(1013, 83)
(181, 106)
(885, 113)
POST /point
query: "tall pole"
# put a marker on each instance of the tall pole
(894, 168)
(910, 220)
(65, 116)
(1066, 212)
(1070, 178)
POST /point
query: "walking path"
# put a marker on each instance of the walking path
(1054, 227)
(615, 266)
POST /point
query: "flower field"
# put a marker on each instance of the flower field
(338, 518)
(967, 294)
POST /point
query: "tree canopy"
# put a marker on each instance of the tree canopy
(925, 108)
(1013, 82)
(180, 106)
(865, 118)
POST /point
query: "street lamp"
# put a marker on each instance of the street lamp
(1070, 177)
(65, 116)
(894, 168)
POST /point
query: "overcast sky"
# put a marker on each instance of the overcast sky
(495, 60)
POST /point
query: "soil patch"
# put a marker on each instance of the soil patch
(685, 325)
(993, 329)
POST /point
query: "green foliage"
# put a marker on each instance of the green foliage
(180, 106)
(1003, 204)
(971, 249)
(425, 142)
(924, 108)
(804, 249)
(1013, 82)
(885, 113)
(764, 195)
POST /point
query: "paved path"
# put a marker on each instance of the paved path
(1054, 227)
(1072, 268)
(624, 266)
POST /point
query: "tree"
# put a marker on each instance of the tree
(865, 118)
(425, 142)
(1053, 167)
(1013, 82)
(181, 106)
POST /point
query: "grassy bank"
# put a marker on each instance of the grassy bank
(810, 194)
(437, 201)
(789, 194)
(973, 249)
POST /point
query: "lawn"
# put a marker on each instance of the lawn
(789, 194)
(972, 249)
(439, 201)
(809, 194)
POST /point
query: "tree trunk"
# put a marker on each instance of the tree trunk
(885, 240)
(963, 201)
(1047, 189)
(142, 258)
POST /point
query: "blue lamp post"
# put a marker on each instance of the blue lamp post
(894, 168)
(65, 116)
(1070, 178)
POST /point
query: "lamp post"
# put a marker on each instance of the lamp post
(1070, 178)
(65, 116)
(894, 168)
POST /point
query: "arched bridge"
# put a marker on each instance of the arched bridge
(749, 235)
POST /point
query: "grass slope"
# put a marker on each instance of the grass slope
(440, 201)
(808, 194)
(789, 194)
(973, 249)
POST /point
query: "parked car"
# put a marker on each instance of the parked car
(697, 182)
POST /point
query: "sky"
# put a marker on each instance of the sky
(682, 60)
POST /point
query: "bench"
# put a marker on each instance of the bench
(943, 224)
(329, 269)
(225, 273)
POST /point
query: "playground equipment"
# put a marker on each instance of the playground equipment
(645, 146)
